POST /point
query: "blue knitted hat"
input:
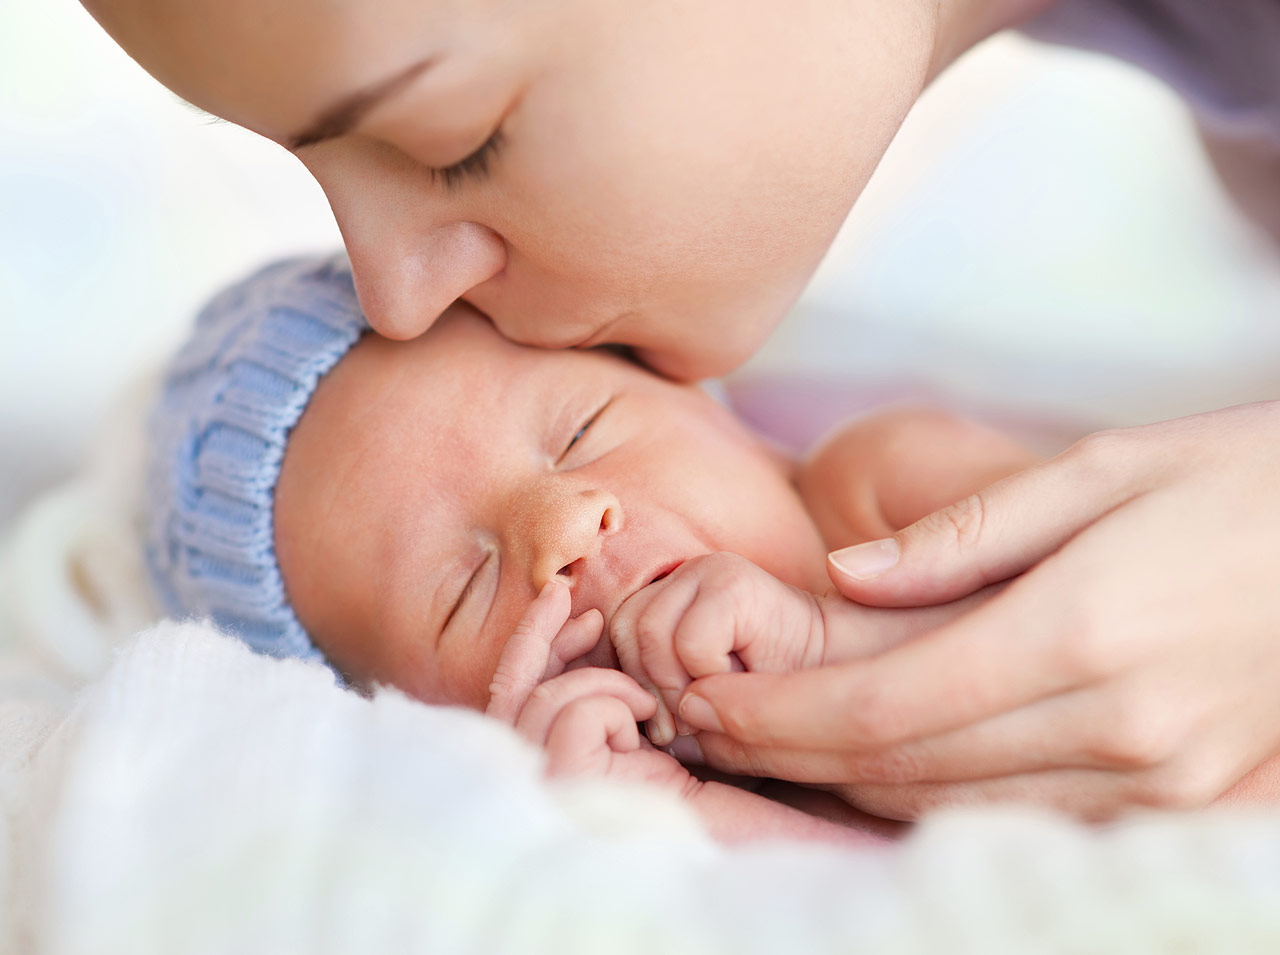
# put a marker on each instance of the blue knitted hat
(229, 401)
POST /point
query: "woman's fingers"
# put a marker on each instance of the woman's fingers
(1086, 793)
(1086, 729)
(989, 536)
(1001, 655)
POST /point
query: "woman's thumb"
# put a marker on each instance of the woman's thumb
(984, 538)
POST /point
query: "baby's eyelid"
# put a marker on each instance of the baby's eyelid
(583, 430)
(463, 594)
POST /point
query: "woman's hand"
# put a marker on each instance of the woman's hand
(1136, 661)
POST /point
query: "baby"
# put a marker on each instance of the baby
(395, 509)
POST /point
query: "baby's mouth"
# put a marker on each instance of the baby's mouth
(603, 653)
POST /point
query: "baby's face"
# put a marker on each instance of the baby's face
(432, 487)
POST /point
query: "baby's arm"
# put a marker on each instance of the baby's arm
(877, 474)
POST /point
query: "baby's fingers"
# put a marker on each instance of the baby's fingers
(642, 632)
(527, 654)
(587, 732)
(547, 700)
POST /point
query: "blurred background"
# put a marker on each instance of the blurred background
(1045, 239)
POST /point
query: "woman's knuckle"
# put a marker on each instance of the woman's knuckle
(1087, 648)
(893, 766)
(874, 718)
(1177, 785)
(1097, 452)
(965, 520)
(1139, 731)
(1131, 745)
(740, 722)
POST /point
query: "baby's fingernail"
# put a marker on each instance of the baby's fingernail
(866, 560)
(698, 713)
(687, 750)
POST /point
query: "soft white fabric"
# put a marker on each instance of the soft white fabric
(199, 798)
(171, 792)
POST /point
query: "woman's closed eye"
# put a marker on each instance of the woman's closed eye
(473, 167)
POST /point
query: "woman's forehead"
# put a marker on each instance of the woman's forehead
(277, 66)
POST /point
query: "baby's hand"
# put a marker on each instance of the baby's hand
(712, 614)
(585, 719)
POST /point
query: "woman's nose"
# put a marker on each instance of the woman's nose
(569, 531)
(411, 255)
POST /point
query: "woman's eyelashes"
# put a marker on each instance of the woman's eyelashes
(586, 426)
(473, 167)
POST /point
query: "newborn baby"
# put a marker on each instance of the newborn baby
(395, 508)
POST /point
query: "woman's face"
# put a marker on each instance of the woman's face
(663, 175)
(431, 489)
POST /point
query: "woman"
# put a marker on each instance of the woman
(667, 177)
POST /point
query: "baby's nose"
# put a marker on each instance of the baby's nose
(572, 531)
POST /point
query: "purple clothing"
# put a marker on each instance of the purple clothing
(1222, 56)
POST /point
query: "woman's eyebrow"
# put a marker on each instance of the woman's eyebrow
(346, 113)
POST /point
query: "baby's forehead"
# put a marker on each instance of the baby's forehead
(461, 360)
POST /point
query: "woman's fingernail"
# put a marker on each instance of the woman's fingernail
(658, 733)
(698, 713)
(687, 750)
(866, 560)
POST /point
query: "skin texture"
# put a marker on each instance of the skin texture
(419, 465)
(670, 174)
(461, 462)
(723, 216)
(1119, 694)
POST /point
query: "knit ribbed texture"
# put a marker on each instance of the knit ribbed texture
(230, 398)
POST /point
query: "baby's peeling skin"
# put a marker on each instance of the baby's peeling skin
(433, 487)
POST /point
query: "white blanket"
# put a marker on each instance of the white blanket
(171, 792)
